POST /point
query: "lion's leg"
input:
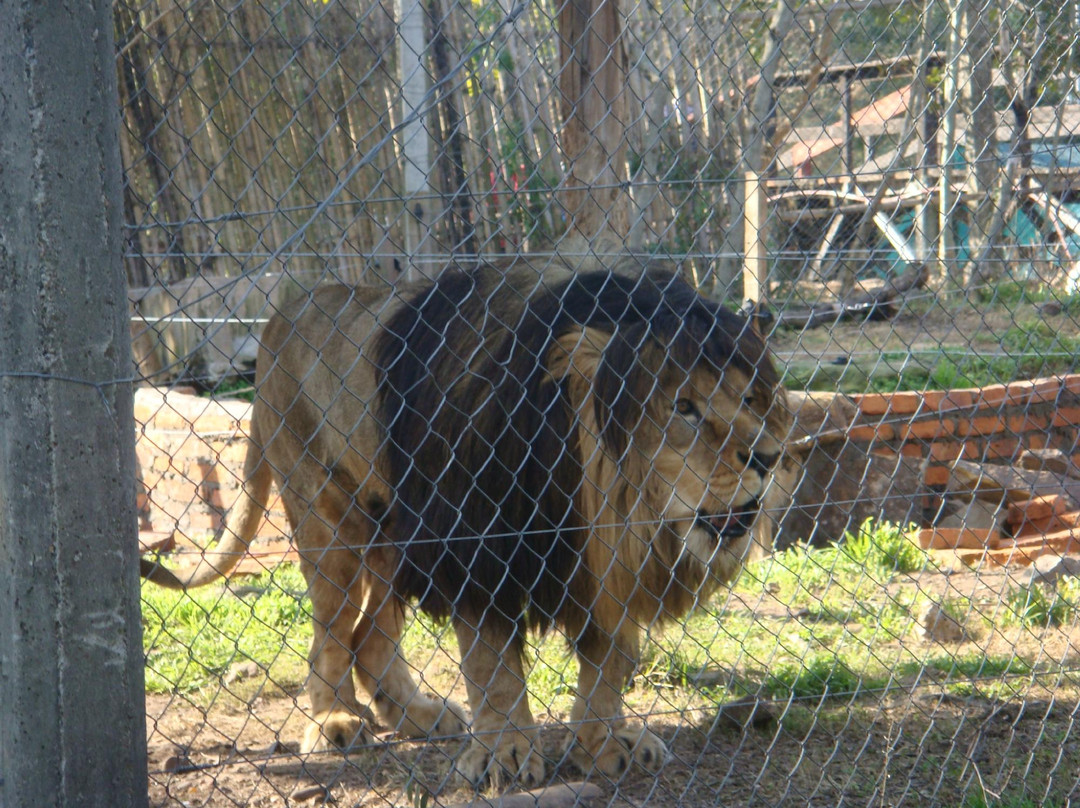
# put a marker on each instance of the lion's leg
(333, 575)
(387, 677)
(336, 714)
(603, 739)
(504, 746)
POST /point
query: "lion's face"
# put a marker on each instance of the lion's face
(684, 456)
(708, 443)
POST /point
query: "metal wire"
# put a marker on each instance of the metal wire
(886, 192)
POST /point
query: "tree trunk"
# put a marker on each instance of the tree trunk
(980, 150)
(592, 85)
(415, 139)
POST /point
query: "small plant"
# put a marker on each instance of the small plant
(666, 667)
(944, 375)
(1037, 607)
(820, 674)
(960, 609)
(884, 546)
(232, 387)
(417, 795)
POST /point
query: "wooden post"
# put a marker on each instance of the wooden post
(849, 134)
(755, 262)
(762, 110)
(947, 253)
(415, 138)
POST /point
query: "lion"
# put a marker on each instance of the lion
(510, 450)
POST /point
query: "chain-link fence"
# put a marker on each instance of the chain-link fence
(523, 503)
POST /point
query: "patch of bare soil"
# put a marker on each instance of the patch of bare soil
(916, 328)
(915, 742)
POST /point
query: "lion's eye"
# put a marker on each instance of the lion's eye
(686, 407)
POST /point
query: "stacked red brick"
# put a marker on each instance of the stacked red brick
(190, 453)
(993, 425)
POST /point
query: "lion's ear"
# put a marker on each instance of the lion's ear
(577, 354)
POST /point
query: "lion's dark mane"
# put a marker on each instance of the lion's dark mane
(482, 445)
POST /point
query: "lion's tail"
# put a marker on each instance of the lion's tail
(241, 523)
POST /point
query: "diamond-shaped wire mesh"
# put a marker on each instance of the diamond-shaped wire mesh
(450, 321)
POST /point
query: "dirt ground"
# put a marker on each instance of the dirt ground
(915, 743)
(920, 326)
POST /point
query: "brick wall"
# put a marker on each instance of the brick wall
(190, 453)
(191, 450)
(984, 424)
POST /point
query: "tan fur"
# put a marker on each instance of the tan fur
(644, 560)
(311, 417)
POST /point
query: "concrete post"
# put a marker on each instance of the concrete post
(72, 715)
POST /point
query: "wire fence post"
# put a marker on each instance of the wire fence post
(551, 426)
(71, 688)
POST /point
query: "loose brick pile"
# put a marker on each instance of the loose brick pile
(983, 424)
(988, 425)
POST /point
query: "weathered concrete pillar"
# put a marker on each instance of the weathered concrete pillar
(72, 726)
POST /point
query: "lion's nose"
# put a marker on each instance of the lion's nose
(758, 461)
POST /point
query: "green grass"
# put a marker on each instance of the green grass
(1007, 801)
(818, 675)
(1041, 606)
(836, 627)
(1012, 294)
(972, 665)
(1030, 349)
(192, 639)
(1022, 356)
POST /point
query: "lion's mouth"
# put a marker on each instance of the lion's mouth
(731, 524)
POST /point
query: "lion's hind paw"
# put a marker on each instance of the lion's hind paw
(515, 761)
(338, 730)
(429, 717)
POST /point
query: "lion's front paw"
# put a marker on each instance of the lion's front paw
(338, 729)
(514, 760)
(612, 750)
(427, 716)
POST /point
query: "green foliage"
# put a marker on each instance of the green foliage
(417, 795)
(961, 609)
(885, 547)
(191, 639)
(1039, 349)
(876, 548)
(819, 674)
(1011, 295)
(1038, 606)
(977, 665)
(798, 568)
(232, 387)
(945, 375)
